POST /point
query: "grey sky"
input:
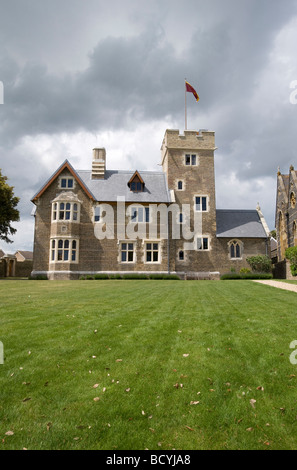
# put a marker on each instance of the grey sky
(79, 74)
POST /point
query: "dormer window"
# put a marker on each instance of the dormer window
(136, 183)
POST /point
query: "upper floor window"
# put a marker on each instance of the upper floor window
(65, 211)
(201, 203)
(190, 159)
(202, 243)
(140, 214)
(97, 214)
(67, 182)
(180, 185)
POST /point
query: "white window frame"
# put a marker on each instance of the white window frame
(67, 208)
(96, 208)
(191, 155)
(127, 251)
(67, 178)
(202, 238)
(67, 246)
(240, 244)
(134, 214)
(201, 196)
(152, 250)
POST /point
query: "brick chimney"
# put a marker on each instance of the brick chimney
(98, 163)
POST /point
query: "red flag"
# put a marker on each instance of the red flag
(190, 89)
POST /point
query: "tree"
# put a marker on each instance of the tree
(8, 211)
(260, 263)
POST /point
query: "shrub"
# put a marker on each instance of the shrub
(232, 276)
(39, 277)
(115, 276)
(260, 263)
(134, 276)
(100, 276)
(291, 255)
(245, 271)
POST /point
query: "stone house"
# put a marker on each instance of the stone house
(111, 221)
(285, 219)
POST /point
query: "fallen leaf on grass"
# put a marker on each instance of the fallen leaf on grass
(194, 402)
(119, 360)
(190, 429)
(260, 388)
(185, 355)
(252, 402)
(96, 386)
(128, 389)
(96, 398)
(9, 433)
(26, 399)
(250, 429)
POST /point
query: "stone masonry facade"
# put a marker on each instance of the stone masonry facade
(100, 221)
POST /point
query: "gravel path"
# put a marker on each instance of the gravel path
(280, 285)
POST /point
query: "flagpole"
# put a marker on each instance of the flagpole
(185, 105)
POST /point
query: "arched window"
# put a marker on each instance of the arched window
(181, 255)
(180, 185)
(235, 248)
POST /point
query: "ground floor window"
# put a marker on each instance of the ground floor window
(127, 252)
(235, 249)
(152, 254)
(64, 250)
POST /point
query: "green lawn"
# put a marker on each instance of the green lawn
(175, 364)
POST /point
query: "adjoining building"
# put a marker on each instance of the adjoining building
(112, 221)
(285, 219)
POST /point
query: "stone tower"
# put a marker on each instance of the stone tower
(188, 161)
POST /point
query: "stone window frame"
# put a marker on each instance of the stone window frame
(55, 247)
(292, 200)
(240, 244)
(202, 238)
(57, 209)
(96, 207)
(146, 250)
(207, 203)
(190, 155)
(181, 250)
(146, 214)
(67, 178)
(127, 242)
(182, 184)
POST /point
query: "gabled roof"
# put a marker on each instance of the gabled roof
(73, 172)
(133, 176)
(239, 224)
(26, 254)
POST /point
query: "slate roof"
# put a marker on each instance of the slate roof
(115, 184)
(239, 224)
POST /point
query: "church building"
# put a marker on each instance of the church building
(98, 220)
(285, 218)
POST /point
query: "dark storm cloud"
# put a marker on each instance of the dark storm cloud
(70, 66)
